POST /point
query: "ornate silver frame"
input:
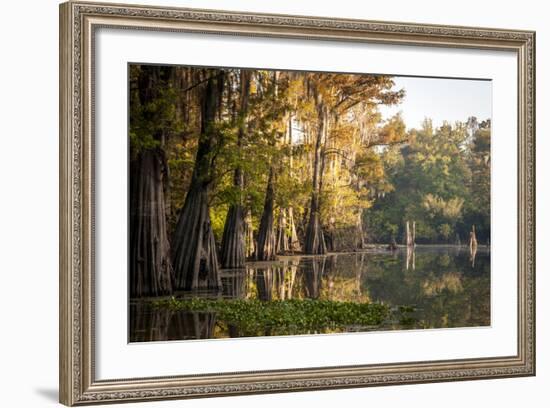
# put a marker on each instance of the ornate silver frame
(78, 22)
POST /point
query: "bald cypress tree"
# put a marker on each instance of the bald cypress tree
(233, 241)
(195, 259)
(150, 267)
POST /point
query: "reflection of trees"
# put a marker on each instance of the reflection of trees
(148, 324)
(410, 258)
(359, 267)
(191, 325)
(312, 277)
(450, 281)
(326, 277)
(152, 324)
(473, 246)
(291, 273)
(264, 283)
(285, 278)
(234, 283)
(445, 289)
(343, 277)
(272, 282)
(473, 252)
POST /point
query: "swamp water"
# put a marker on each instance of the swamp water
(430, 287)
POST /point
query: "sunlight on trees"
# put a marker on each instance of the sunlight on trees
(233, 165)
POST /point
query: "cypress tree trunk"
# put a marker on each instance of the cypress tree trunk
(315, 241)
(195, 261)
(360, 244)
(282, 236)
(473, 239)
(293, 241)
(265, 249)
(411, 234)
(249, 235)
(150, 267)
(287, 238)
(233, 247)
(233, 240)
(473, 245)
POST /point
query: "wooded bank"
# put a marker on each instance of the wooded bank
(230, 165)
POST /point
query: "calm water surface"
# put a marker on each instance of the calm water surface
(440, 287)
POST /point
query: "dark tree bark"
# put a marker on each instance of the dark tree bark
(233, 240)
(233, 249)
(191, 325)
(149, 324)
(195, 260)
(264, 283)
(312, 278)
(315, 241)
(265, 249)
(150, 266)
(235, 284)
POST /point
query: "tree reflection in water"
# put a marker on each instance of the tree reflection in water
(442, 285)
(150, 324)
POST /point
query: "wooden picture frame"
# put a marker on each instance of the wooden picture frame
(78, 24)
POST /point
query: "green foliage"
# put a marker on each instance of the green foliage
(373, 169)
(285, 316)
(153, 115)
(438, 207)
(441, 180)
(445, 230)
(217, 218)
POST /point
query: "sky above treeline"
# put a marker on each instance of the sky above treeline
(441, 99)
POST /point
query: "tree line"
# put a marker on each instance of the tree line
(230, 165)
(440, 179)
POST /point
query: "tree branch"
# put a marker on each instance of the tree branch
(203, 81)
(339, 152)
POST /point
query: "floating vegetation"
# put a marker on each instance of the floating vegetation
(284, 316)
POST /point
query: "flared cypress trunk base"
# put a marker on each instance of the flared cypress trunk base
(233, 243)
(315, 241)
(195, 260)
(150, 267)
(267, 240)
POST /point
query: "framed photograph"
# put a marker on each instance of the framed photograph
(256, 203)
